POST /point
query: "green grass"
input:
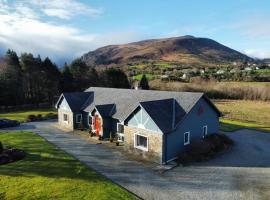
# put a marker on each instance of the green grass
(228, 125)
(263, 71)
(21, 116)
(49, 173)
(240, 114)
(137, 66)
(148, 76)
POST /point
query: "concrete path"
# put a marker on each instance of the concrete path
(242, 173)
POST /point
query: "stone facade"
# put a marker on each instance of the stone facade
(155, 143)
(65, 125)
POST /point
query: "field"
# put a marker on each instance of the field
(49, 173)
(21, 116)
(139, 77)
(244, 114)
(219, 90)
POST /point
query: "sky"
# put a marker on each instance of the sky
(66, 29)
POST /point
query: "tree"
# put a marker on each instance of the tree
(52, 80)
(79, 71)
(114, 78)
(11, 79)
(143, 84)
(66, 83)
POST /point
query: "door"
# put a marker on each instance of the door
(97, 125)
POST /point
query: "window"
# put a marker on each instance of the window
(186, 138)
(204, 131)
(65, 117)
(78, 118)
(90, 120)
(141, 142)
(120, 128)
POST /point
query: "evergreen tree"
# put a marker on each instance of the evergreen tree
(66, 84)
(143, 84)
(115, 78)
(52, 80)
(11, 79)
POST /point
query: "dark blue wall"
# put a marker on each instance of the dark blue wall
(194, 122)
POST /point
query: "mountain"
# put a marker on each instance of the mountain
(181, 50)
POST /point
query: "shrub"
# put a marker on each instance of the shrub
(39, 117)
(51, 116)
(205, 148)
(1, 147)
(31, 118)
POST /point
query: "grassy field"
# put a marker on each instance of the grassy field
(148, 76)
(49, 173)
(21, 116)
(244, 114)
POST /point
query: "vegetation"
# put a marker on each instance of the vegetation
(244, 114)
(49, 173)
(143, 84)
(138, 77)
(22, 116)
(219, 90)
(31, 80)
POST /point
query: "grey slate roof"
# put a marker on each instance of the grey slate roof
(166, 108)
(165, 113)
(126, 100)
(75, 100)
(106, 110)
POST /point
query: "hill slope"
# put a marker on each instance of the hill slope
(182, 50)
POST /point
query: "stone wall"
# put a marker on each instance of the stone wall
(155, 143)
(68, 126)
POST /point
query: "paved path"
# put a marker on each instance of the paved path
(242, 173)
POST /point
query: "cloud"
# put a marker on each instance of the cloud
(64, 9)
(26, 31)
(257, 53)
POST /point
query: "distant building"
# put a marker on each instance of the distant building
(221, 71)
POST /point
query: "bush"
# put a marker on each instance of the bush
(1, 147)
(205, 148)
(51, 116)
(31, 118)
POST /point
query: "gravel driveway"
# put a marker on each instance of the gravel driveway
(241, 173)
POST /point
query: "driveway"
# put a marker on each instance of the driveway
(241, 173)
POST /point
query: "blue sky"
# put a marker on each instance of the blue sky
(65, 29)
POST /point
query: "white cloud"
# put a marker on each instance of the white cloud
(257, 53)
(64, 9)
(25, 31)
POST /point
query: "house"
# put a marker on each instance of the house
(157, 125)
(220, 71)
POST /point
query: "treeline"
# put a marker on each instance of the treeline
(31, 80)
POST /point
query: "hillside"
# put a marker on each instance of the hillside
(181, 50)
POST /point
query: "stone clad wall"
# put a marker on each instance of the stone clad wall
(68, 126)
(155, 143)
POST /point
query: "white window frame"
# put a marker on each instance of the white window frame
(117, 124)
(140, 147)
(77, 115)
(188, 142)
(206, 131)
(65, 121)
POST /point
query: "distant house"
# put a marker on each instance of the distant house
(221, 71)
(248, 69)
(157, 125)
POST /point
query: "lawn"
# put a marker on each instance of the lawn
(49, 173)
(148, 76)
(244, 114)
(21, 116)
